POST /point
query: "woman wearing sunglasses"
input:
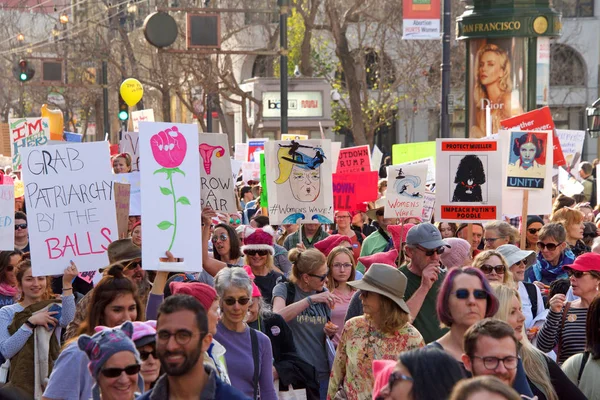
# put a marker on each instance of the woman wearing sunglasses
(144, 337)
(226, 246)
(9, 291)
(114, 363)
(534, 226)
(553, 255)
(493, 266)
(572, 220)
(566, 321)
(249, 355)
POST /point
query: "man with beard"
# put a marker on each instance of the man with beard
(182, 338)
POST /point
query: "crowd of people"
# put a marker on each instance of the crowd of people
(366, 308)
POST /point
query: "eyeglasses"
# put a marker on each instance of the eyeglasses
(342, 265)
(182, 336)
(222, 237)
(492, 240)
(577, 274)
(235, 221)
(132, 369)
(251, 253)
(464, 294)
(549, 246)
(321, 277)
(533, 231)
(342, 216)
(430, 252)
(487, 269)
(145, 354)
(230, 301)
(20, 226)
(492, 363)
(133, 265)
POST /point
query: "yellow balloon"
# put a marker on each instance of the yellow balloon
(56, 121)
(19, 188)
(131, 91)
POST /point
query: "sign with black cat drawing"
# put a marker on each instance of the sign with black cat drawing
(468, 180)
(405, 194)
(526, 167)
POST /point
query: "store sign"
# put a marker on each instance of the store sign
(300, 104)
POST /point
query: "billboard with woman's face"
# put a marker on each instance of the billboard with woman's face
(497, 83)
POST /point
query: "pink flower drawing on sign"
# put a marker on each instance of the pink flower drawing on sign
(169, 149)
(206, 152)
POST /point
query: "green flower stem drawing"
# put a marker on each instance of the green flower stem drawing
(164, 225)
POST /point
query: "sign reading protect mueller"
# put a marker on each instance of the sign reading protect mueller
(300, 104)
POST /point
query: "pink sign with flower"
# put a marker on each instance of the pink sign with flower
(170, 187)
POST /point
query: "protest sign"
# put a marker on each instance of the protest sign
(567, 184)
(376, 158)
(241, 152)
(264, 195)
(70, 206)
(135, 191)
(251, 171)
(140, 116)
(404, 194)
(73, 137)
(405, 152)
(236, 166)
(428, 206)
(255, 145)
(170, 195)
(335, 154)
(526, 161)
(354, 159)
(430, 168)
(571, 143)
(537, 120)
(130, 144)
(468, 180)
(216, 182)
(26, 132)
(7, 213)
(290, 136)
(352, 189)
(122, 206)
(299, 181)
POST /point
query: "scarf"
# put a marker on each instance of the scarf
(547, 273)
(579, 248)
(8, 290)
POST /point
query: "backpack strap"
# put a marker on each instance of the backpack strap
(562, 327)
(254, 340)
(291, 293)
(584, 360)
(532, 293)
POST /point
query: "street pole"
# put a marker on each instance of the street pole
(283, 61)
(105, 99)
(445, 116)
(22, 100)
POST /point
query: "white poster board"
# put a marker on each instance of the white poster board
(236, 166)
(336, 147)
(130, 144)
(241, 152)
(7, 221)
(404, 196)
(299, 181)
(430, 162)
(70, 206)
(251, 171)
(567, 184)
(170, 196)
(376, 157)
(135, 192)
(468, 180)
(26, 132)
(571, 142)
(216, 182)
(141, 116)
(428, 206)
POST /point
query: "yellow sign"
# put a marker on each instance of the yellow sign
(540, 25)
(406, 152)
(291, 136)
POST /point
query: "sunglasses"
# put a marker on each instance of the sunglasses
(235, 221)
(145, 354)
(430, 252)
(251, 253)
(533, 231)
(20, 226)
(320, 277)
(132, 369)
(133, 265)
(395, 377)
(577, 274)
(487, 269)
(222, 237)
(464, 294)
(230, 301)
(549, 246)
(379, 213)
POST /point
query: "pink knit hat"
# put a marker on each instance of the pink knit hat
(331, 242)
(144, 332)
(389, 258)
(204, 293)
(399, 234)
(258, 239)
(382, 369)
(457, 255)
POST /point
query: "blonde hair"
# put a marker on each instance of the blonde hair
(331, 284)
(485, 255)
(391, 317)
(126, 156)
(285, 166)
(269, 264)
(534, 361)
(465, 388)
(480, 92)
(504, 229)
(304, 262)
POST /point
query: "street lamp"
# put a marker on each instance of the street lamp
(593, 119)
(63, 19)
(20, 37)
(132, 8)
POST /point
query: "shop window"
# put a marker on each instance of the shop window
(567, 68)
(263, 67)
(575, 8)
(256, 18)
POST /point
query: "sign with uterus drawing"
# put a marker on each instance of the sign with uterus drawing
(216, 179)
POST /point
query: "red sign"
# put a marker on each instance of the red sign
(470, 146)
(354, 159)
(457, 213)
(352, 189)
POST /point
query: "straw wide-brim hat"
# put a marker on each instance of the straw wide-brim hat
(385, 280)
(379, 205)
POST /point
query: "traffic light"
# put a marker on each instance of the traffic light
(123, 109)
(23, 71)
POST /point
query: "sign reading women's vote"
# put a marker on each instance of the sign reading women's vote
(404, 196)
(527, 163)
(130, 144)
(354, 159)
(216, 182)
(171, 200)
(27, 132)
(70, 206)
(299, 181)
(468, 180)
(7, 213)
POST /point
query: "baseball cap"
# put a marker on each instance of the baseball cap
(586, 262)
(425, 235)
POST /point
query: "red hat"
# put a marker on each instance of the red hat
(258, 239)
(135, 225)
(255, 290)
(586, 262)
(389, 258)
(382, 369)
(331, 242)
(204, 293)
(399, 234)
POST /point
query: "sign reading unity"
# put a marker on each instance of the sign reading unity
(299, 181)
(27, 132)
(7, 213)
(405, 194)
(70, 206)
(170, 195)
(216, 182)
(468, 180)
(526, 168)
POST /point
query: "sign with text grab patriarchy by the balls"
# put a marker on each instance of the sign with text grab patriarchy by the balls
(299, 181)
(216, 182)
(468, 180)
(27, 132)
(70, 206)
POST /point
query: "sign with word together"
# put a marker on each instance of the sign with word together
(170, 195)
(130, 144)
(468, 180)
(405, 193)
(526, 167)
(354, 159)
(299, 181)
(7, 213)
(26, 132)
(140, 116)
(352, 189)
(70, 206)
(122, 194)
(216, 182)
